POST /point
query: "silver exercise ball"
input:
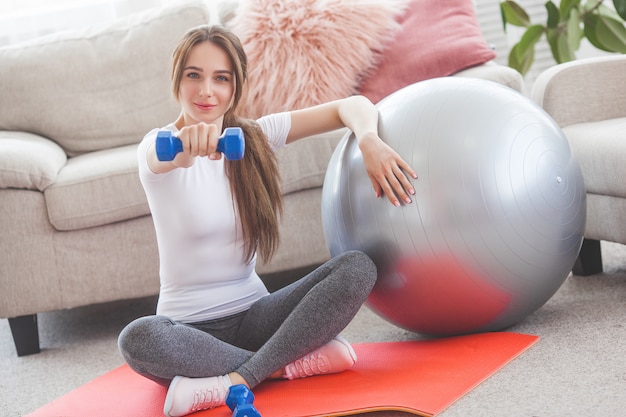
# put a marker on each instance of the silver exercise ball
(497, 220)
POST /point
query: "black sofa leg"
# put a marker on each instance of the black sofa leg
(589, 260)
(25, 334)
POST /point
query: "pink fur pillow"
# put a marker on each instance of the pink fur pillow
(438, 38)
(307, 52)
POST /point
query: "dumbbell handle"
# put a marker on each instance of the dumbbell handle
(231, 144)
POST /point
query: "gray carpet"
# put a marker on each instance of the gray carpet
(577, 368)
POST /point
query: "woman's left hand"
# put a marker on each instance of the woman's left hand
(387, 170)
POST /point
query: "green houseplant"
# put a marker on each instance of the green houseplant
(566, 25)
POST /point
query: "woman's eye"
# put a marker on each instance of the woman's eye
(193, 75)
(222, 78)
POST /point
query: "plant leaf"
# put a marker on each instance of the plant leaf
(591, 4)
(566, 6)
(575, 33)
(514, 14)
(522, 54)
(527, 57)
(608, 12)
(620, 8)
(554, 16)
(605, 33)
(532, 35)
(559, 45)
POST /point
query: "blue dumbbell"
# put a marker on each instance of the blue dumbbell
(240, 400)
(231, 144)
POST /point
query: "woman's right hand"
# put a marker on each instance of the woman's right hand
(197, 140)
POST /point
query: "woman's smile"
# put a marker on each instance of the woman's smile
(204, 106)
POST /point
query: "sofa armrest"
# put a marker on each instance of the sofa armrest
(29, 161)
(585, 90)
(493, 71)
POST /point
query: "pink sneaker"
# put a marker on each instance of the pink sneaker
(188, 395)
(335, 356)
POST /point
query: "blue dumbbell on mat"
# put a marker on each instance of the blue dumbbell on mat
(231, 144)
(240, 400)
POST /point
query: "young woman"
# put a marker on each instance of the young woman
(216, 324)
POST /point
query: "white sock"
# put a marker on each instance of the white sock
(227, 382)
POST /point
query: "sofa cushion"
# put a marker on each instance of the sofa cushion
(96, 88)
(29, 161)
(303, 163)
(438, 38)
(97, 188)
(321, 48)
(600, 148)
(103, 187)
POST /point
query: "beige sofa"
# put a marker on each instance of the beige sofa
(76, 228)
(587, 98)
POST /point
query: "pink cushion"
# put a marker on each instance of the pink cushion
(437, 38)
(307, 52)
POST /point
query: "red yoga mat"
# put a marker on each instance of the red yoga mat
(418, 377)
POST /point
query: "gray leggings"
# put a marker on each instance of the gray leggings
(275, 331)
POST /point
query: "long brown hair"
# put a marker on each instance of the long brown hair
(254, 181)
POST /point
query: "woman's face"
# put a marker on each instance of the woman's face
(207, 84)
